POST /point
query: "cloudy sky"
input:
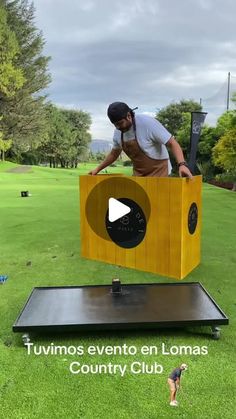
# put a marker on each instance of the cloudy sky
(143, 52)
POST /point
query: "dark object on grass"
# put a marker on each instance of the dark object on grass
(24, 194)
(3, 278)
(138, 306)
(116, 286)
(8, 343)
(29, 263)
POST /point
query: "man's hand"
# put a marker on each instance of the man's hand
(110, 158)
(185, 172)
(179, 157)
(93, 172)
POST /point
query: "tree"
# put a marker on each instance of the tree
(67, 137)
(79, 123)
(100, 156)
(11, 77)
(225, 122)
(4, 146)
(55, 139)
(205, 163)
(183, 133)
(224, 155)
(172, 116)
(24, 113)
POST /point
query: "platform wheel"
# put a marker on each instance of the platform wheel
(26, 338)
(215, 332)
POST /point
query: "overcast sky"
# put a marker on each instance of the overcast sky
(143, 52)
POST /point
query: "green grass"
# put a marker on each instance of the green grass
(40, 246)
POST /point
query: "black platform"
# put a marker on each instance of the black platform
(138, 306)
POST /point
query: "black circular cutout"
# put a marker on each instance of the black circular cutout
(192, 218)
(96, 206)
(129, 230)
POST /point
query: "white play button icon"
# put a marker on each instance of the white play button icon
(117, 210)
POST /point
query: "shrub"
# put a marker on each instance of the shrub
(127, 163)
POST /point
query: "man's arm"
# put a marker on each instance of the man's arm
(175, 148)
(110, 158)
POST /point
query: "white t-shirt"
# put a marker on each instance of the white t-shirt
(151, 136)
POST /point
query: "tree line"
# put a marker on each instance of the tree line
(32, 130)
(35, 131)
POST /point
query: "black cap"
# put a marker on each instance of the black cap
(117, 111)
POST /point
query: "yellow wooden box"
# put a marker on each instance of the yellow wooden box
(168, 248)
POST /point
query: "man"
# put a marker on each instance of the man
(174, 383)
(144, 140)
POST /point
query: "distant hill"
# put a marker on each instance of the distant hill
(100, 146)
